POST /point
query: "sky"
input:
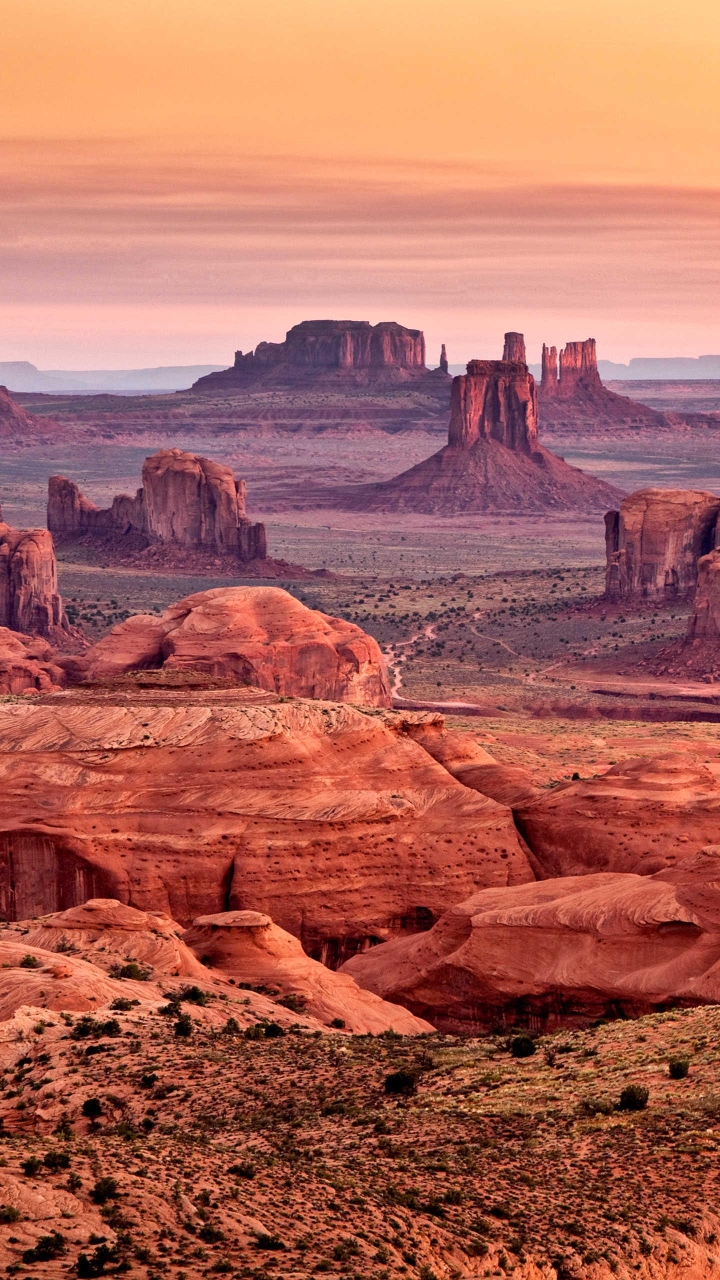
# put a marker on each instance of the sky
(179, 179)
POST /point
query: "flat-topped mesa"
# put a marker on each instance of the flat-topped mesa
(29, 598)
(495, 400)
(185, 499)
(654, 541)
(334, 349)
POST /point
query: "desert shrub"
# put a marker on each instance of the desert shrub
(594, 1106)
(29, 962)
(183, 1026)
(95, 1265)
(54, 1160)
(47, 1247)
(232, 1027)
(338, 1024)
(678, 1068)
(92, 1108)
(264, 1240)
(346, 1249)
(211, 1234)
(31, 1166)
(194, 995)
(634, 1097)
(401, 1083)
(8, 1213)
(131, 970)
(105, 1189)
(522, 1046)
(243, 1170)
(293, 1001)
(148, 1080)
(91, 1029)
(273, 1031)
(121, 1005)
(254, 1032)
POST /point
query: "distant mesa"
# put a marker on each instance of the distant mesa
(19, 426)
(259, 636)
(493, 461)
(190, 512)
(342, 352)
(654, 541)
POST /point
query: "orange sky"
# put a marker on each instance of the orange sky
(179, 178)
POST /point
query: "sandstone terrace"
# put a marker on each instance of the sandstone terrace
(263, 1157)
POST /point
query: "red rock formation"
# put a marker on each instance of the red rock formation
(29, 597)
(14, 420)
(334, 824)
(186, 500)
(578, 400)
(334, 350)
(640, 816)
(514, 349)
(259, 636)
(443, 366)
(109, 933)
(492, 461)
(578, 368)
(27, 664)
(549, 379)
(248, 946)
(704, 629)
(654, 541)
(561, 952)
(467, 761)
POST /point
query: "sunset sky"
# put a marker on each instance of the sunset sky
(182, 178)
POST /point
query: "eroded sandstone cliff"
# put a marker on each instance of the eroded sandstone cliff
(29, 598)
(654, 541)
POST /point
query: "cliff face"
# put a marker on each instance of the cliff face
(495, 400)
(334, 349)
(705, 621)
(185, 500)
(571, 395)
(29, 597)
(653, 543)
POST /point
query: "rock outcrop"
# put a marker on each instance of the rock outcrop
(641, 815)
(185, 500)
(572, 397)
(334, 351)
(319, 815)
(27, 664)
(653, 543)
(260, 636)
(29, 598)
(15, 422)
(492, 461)
(704, 629)
(443, 366)
(562, 952)
(249, 947)
(110, 934)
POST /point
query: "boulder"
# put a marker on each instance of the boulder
(247, 946)
(259, 636)
(641, 815)
(29, 598)
(654, 541)
(317, 814)
(561, 952)
(27, 664)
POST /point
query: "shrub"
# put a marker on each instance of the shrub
(92, 1108)
(346, 1249)
(29, 962)
(90, 1029)
(294, 1002)
(634, 1097)
(338, 1024)
(183, 1026)
(46, 1248)
(232, 1027)
(148, 1080)
(401, 1083)
(95, 1265)
(243, 1170)
(131, 970)
(678, 1068)
(56, 1160)
(105, 1189)
(265, 1241)
(211, 1234)
(522, 1046)
(273, 1030)
(121, 1005)
(8, 1213)
(194, 995)
(597, 1106)
(31, 1166)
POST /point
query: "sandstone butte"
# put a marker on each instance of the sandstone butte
(19, 426)
(573, 397)
(88, 948)
(29, 597)
(320, 815)
(189, 513)
(332, 353)
(654, 541)
(493, 461)
(561, 952)
(259, 636)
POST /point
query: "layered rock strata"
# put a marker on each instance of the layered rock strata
(319, 815)
(654, 541)
(493, 461)
(29, 598)
(562, 952)
(328, 350)
(185, 500)
(259, 636)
